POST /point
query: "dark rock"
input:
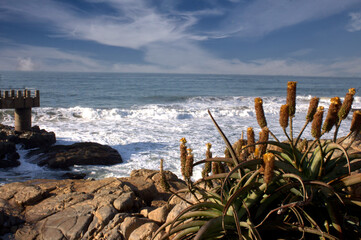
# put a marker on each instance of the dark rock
(70, 175)
(35, 138)
(87, 153)
(8, 155)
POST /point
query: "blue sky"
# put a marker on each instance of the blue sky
(263, 37)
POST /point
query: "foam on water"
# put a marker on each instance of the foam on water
(143, 134)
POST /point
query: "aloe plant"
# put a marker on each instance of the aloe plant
(303, 190)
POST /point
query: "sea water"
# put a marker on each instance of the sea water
(143, 116)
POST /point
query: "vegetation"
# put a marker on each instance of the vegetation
(267, 189)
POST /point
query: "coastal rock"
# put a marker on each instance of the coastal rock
(86, 153)
(8, 155)
(35, 138)
(82, 209)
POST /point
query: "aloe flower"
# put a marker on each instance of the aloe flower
(331, 117)
(312, 108)
(268, 160)
(356, 121)
(261, 119)
(250, 140)
(284, 115)
(317, 123)
(346, 105)
(291, 97)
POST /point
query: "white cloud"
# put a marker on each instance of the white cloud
(261, 17)
(135, 24)
(355, 22)
(184, 57)
(25, 64)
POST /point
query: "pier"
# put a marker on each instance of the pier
(22, 101)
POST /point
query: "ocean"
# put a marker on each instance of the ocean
(144, 116)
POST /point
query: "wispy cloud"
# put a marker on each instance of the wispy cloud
(135, 25)
(182, 57)
(355, 22)
(168, 38)
(261, 17)
(26, 57)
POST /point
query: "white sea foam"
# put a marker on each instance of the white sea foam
(145, 134)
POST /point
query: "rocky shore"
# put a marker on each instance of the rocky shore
(114, 208)
(44, 153)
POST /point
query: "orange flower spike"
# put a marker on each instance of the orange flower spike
(261, 119)
(291, 97)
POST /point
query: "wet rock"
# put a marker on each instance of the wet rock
(8, 155)
(35, 138)
(87, 153)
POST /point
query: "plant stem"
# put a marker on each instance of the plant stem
(300, 134)
(336, 130)
(274, 136)
(291, 129)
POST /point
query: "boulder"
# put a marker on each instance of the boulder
(132, 223)
(125, 202)
(144, 232)
(86, 153)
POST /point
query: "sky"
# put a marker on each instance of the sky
(253, 37)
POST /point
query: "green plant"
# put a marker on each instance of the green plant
(291, 188)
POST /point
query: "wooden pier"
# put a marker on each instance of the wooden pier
(22, 101)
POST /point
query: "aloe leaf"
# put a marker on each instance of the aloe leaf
(192, 224)
(214, 228)
(336, 219)
(215, 159)
(244, 164)
(347, 181)
(186, 232)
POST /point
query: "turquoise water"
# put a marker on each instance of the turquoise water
(143, 116)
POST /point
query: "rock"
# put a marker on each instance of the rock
(144, 232)
(82, 209)
(130, 224)
(125, 202)
(160, 214)
(176, 210)
(28, 195)
(145, 211)
(8, 155)
(54, 204)
(35, 138)
(71, 223)
(70, 175)
(87, 153)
